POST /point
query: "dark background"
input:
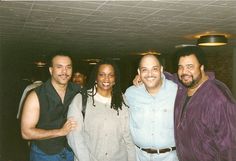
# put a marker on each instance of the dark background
(15, 70)
(15, 75)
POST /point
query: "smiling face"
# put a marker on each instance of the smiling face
(150, 71)
(105, 78)
(61, 70)
(190, 71)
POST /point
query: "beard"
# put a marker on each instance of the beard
(192, 83)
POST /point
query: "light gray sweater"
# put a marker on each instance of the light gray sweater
(103, 135)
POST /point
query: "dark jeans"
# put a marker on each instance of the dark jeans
(38, 155)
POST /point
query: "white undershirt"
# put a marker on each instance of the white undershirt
(102, 99)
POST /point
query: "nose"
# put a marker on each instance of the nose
(64, 69)
(185, 70)
(106, 77)
(150, 72)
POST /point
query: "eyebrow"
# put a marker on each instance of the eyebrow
(151, 67)
(184, 65)
(63, 65)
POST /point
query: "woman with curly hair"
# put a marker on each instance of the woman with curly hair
(102, 132)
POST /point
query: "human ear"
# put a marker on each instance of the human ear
(202, 68)
(50, 70)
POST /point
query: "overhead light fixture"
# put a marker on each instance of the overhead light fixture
(149, 52)
(212, 40)
(40, 64)
(40, 61)
(94, 61)
(91, 61)
(183, 45)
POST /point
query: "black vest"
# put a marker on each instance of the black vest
(53, 114)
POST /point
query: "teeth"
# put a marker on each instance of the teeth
(106, 84)
(150, 79)
(186, 77)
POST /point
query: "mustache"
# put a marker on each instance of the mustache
(64, 75)
(150, 77)
(183, 75)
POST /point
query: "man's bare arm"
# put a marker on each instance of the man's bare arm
(30, 118)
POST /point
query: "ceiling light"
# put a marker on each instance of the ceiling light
(40, 64)
(183, 45)
(212, 40)
(92, 63)
(40, 61)
(149, 52)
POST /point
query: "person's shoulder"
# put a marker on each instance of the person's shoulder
(75, 87)
(217, 86)
(221, 90)
(40, 87)
(133, 89)
(171, 84)
(78, 96)
(34, 85)
(31, 95)
(124, 112)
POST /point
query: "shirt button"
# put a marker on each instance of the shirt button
(106, 154)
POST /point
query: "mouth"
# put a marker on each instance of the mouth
(186, 77)
(64, 76)
(150, 78)
(106, 84)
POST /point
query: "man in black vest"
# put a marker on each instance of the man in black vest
(44, 114)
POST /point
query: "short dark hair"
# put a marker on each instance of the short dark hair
(58, 54)
(191, 50)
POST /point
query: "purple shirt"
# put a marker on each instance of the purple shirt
(206, 130)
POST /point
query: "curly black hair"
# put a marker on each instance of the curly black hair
(191, 50)
(117, 97)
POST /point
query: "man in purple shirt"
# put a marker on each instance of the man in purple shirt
(205, 112)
